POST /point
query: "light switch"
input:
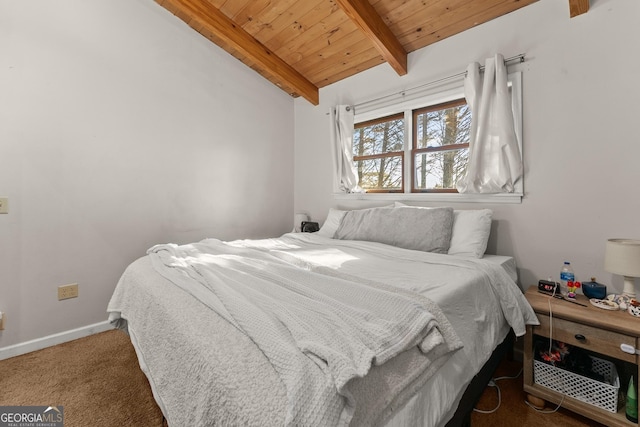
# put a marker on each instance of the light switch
(4, 205)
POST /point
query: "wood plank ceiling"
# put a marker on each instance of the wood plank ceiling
(303, 45)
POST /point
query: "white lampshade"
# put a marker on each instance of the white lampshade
(622, 256)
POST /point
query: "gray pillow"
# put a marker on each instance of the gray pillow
(427, 230)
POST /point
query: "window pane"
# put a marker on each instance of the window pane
(382, 137)
(380, 174)
(443, 127)
(440, 169)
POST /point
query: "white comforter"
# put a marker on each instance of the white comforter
(476, 296)
(319, 330)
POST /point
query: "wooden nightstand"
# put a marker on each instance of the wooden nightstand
(599, 331)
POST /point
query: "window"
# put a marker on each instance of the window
(440, 146)
(439, 149)
(417, 144)
(378, 147)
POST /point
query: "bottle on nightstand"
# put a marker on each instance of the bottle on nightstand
(566, 275)
(632, 402)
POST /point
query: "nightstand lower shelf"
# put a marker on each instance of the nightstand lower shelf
(589, 411)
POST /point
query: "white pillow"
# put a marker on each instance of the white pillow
(331, 224)
(471, 229)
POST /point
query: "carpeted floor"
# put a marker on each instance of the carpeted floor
(99, 382)
(96, 379)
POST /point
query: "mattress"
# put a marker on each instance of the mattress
(506, 262)
(481, 313)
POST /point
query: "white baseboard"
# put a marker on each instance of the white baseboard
(55, 339)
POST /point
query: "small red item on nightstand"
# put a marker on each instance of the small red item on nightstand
(572, 286)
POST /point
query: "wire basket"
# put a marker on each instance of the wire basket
(601, 394)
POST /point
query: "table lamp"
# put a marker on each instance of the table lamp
(622, 256)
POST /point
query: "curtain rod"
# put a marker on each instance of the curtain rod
(520, 58)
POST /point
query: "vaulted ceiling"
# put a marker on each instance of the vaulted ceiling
(303, 45)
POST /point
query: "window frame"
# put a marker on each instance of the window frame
(388, 153)
(425, 96)
(415, 151)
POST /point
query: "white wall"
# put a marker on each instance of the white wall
(581, 150)
(121, 127)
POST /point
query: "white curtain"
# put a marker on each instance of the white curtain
(495, 164)
(344, 172)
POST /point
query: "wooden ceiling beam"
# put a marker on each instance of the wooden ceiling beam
(578, 7)
(367, 19)
(209, 18)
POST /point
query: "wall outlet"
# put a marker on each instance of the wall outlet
(3, 317)
(4, 205)
(67, 291)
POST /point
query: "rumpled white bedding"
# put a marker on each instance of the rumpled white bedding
(478, 298)
(319, 331)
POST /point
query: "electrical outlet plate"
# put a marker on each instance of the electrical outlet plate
(67, 291)
(4, 205)
(2, 320)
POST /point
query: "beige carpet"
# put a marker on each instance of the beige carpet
(97, 379)
(99, 382)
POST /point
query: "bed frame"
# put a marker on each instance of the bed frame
(462, 416)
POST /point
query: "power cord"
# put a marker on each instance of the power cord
(492, 383)
(491, 411)
(550, 411)
(542, 411)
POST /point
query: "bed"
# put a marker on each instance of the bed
(347, 326)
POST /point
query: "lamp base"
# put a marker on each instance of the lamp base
(629, 289)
